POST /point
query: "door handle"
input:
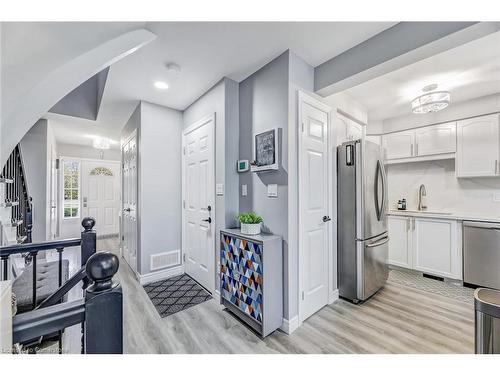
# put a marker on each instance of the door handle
(326, 218)
(381, 242)
(209, 220)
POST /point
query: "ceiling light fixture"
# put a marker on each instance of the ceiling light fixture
(431, 101)
(101, 143)
(161, 85)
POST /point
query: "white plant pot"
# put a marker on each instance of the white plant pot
(251, 229)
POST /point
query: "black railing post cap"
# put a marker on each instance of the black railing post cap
(100, 268)
(88, 223)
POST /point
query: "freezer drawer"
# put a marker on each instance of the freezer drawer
(372, 265)
(481, 247)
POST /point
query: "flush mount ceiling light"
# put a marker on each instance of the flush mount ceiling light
(431, 101)
(101, 143)
(161, 85)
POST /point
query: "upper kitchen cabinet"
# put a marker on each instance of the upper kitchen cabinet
(478, 147)
(399, 145)
(426, 143)
(348, 130)
(436, 139)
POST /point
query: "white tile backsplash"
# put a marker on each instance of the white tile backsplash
(444, 191)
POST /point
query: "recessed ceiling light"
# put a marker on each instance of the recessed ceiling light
(161, 85)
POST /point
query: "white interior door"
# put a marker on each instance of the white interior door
(199, 200)
(129, 202)
(101, 194)
(314, 220)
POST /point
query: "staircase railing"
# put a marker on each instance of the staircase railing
(17, 195)
(100, 312)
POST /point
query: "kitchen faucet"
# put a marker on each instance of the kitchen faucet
(421, 193)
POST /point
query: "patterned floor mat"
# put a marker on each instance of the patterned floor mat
(176, 294)
(417, 281)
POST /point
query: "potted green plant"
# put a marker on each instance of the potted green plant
(250, 222)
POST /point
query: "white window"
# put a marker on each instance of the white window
(71, 189)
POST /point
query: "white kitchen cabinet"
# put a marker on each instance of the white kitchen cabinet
(399, 145)
(400, 245)
(428, 245)
(435, 247)
(478, 147)
(435, 139)
(348, 130)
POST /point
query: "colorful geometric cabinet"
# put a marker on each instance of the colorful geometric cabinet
(251, 278)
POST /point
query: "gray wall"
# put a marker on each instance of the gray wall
(160, 181)
(34, 150)
(221, 99)
(86, 152)
(264, 105)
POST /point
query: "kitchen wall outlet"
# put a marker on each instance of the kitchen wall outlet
(244, 190)
(496, 196)
(219, 189)
(272, 190)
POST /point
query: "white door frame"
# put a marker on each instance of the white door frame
(134, 133)
(315, 101)
(186, 131)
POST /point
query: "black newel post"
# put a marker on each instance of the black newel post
(89, 239)
(103, 332)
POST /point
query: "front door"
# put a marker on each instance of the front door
(199, 199)
(314, 220)
(129, 202)
(101, 194)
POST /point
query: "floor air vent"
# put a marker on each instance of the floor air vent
(163, 260)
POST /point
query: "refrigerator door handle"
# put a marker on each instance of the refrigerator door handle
(379, 243)
(379, 175)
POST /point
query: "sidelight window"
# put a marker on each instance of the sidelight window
(71, 189)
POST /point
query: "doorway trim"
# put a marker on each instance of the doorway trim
(315, 101)
(185, 132)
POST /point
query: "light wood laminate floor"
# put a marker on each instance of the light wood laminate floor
(398, 319)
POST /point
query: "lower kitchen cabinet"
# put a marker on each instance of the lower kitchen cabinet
(428, 245)
(400, 253)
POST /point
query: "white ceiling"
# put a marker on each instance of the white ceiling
(468, 71)
(206, 52)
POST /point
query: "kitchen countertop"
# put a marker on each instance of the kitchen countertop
(446, 214)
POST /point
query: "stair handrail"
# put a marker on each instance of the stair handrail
(100, 311)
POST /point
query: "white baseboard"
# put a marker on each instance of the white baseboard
(160, 275)
(333, 296)
(291, 325)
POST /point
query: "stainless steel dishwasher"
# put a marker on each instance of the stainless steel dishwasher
(481, 247)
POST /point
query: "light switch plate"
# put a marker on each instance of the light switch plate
(219, 188)
(496, 196)
(272, 190)
(244, 190)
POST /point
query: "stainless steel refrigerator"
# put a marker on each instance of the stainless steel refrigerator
(362, 238)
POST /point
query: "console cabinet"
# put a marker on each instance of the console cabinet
(251, 278)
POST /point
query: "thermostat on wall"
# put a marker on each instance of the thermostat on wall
(243, 166)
